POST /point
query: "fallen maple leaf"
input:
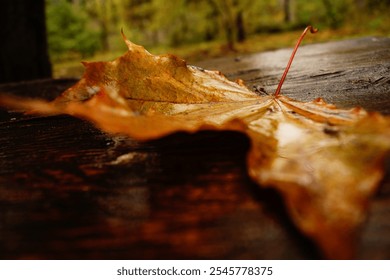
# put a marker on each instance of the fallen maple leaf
(325, 162)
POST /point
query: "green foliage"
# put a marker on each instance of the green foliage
(189, 21)
(82, 27)
(324, 13)
(68, 32)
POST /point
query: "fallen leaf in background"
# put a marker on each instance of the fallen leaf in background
(325, 162)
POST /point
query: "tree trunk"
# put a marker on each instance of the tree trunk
(24, 54)
(104, 34)
(241, 35)
(288, 11)
(229, 31)
(228, 24)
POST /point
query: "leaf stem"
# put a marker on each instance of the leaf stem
(312, 30)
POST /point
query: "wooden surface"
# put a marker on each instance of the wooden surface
(69, 191)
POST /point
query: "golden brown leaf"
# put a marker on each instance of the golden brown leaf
(326, 162)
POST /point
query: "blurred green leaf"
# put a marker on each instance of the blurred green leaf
(68, 32)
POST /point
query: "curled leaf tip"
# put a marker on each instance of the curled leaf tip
(123, 34)
(128, 43)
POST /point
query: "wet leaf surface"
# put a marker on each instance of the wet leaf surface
(323, 161)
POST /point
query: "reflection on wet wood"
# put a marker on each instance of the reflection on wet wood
(68, 190)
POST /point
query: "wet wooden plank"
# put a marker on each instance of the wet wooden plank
(68, 191)
(347, 73)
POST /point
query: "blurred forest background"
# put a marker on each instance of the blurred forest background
(199, 29)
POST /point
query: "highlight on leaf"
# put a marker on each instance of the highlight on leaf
(325, 162)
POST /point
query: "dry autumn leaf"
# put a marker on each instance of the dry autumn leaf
(325, 162)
